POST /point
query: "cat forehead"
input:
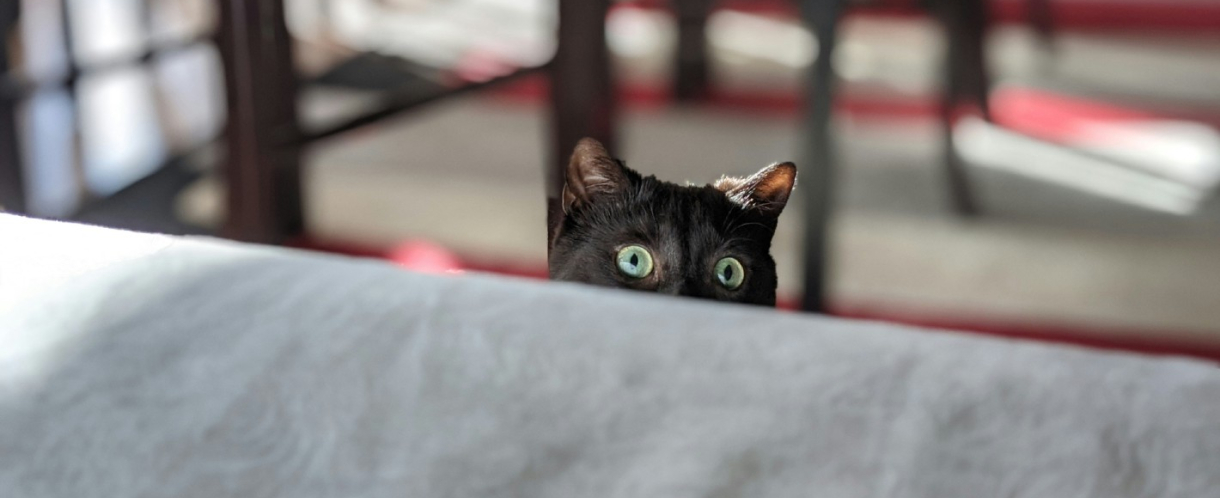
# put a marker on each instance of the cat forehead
(688, 190)
(692, 202)
(658, 209)
(698, 212)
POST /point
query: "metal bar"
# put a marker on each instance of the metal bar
(262, 169)
(12, 177)
(407, 100)
(818, 172)
(582, 93)
(14, 86)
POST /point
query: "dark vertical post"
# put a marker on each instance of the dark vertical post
(12, 179)
(818, 171)
(971, 21)
(966, 80)
(691, 78)
(262, 167)
(1042, 19)
(582, 92)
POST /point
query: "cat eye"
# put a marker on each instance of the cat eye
(730, 273)
(635, 261)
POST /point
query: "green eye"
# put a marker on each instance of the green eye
(730, 273)
(634, 261)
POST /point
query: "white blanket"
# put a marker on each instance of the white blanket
(136, 365)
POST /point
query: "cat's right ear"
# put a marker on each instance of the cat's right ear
(592, 173)
(766, 191)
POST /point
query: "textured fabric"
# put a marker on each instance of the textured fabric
(135, 365)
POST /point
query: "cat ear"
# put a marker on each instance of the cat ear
(767, 190)
(592, 173)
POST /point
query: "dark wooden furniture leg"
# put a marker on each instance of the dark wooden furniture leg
(12, 179)
(1042, 20)
(817, 173)
(966, 81)
(262, 169)
(691, 78)
(582, 92)
(970, 22)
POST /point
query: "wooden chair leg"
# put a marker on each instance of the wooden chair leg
(12, 178)
(262, 168)
(961, 193)
(966, 80)
(818, 171)
(1042, 20)
(975, 21)
(691, 73)
(582, 92)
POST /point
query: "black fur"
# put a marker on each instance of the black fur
(686, 228)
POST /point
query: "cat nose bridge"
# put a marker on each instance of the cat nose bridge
(678, 285)
(682, 277)
(675, 286)
(688, 286)
(681, 289)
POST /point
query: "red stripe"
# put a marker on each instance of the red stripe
(1146, 15)
(535, 89)
(1061, 118)
(1034, 112)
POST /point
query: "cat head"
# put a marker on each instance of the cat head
(621, 229)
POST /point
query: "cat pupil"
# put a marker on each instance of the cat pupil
(635, 260)
(728, 273)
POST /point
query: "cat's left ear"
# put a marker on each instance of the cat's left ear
(767, 190)
(592, 173)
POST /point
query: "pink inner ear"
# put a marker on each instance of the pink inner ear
(777, 183)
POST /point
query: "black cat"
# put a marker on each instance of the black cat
(620, 229)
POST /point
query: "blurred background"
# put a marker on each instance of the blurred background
(1025, 167)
